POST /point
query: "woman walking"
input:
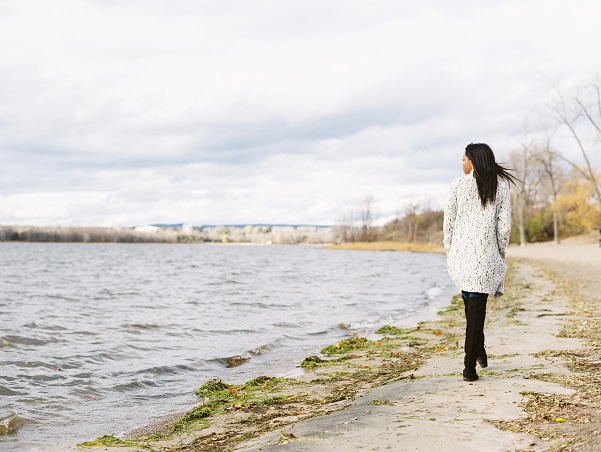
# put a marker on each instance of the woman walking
(477, 223)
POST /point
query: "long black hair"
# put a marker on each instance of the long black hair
(487, 171)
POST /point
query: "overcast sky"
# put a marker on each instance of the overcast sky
(128, 112)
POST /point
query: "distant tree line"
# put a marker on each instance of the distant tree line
(417, 224)
(216, 234)
(84, 235)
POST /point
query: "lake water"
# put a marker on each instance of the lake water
(101, 338)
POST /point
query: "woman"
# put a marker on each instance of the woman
(477, 222)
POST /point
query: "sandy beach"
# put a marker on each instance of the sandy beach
(405, 392)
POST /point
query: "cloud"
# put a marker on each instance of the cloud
(257, 111)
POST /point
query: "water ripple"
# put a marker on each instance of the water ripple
(94, 337)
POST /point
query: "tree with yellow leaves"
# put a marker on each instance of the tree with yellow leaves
(577, 205)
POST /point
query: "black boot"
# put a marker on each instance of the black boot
(482, 359)
(475, 308)
(470, 375)
(482, 356)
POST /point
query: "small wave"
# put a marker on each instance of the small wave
(141, 326)
(317, 333)
(132, 386)
(367, 325)
(34, 325)
(287, 325)
(98, 358)
(4, 391)
(45, 366)
(266, 347)
(83, 333)
(226, 332)
(223, 282)
(21, 340)
(144, 377)
(87, 393)
(396, 318)
(433, 292)
(333, 329)
(83, 375)
(117, 294)
(60, 297)
(262, 305)
(165, 370)
(47, 377)
(10, 422)
(243, 358)
(231, 361)
(121, 351)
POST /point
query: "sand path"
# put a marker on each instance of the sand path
(577, 260)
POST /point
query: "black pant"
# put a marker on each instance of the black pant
(475, 313)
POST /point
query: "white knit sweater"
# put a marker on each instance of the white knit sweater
(475, 238)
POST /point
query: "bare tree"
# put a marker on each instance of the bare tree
(550, 161)
(356, 223)
(417, 223)
(345, 226)
(585, 107)
(526, 187)
(413, 217)
(366, 215)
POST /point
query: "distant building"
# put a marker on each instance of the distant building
(187, 228)
(146, 228)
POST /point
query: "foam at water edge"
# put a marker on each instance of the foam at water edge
(433, 292)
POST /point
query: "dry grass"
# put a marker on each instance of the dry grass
(388, 246)
(570, 420)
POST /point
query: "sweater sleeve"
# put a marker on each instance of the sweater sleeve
(450, 214)
(503, 221)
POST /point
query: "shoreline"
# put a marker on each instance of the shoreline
(406, 391)
(387, 246)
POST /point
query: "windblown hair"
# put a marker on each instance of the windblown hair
(487, 171)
